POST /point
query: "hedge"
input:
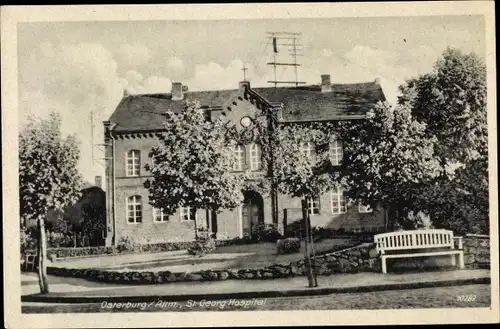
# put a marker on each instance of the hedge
(139, 248)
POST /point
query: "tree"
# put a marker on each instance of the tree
(387, 159)
(48, 177)
(301, 169)
(451, 102)
(191, 166)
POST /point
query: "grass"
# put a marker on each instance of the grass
(256, 255)
(264, 253)
(443, 297)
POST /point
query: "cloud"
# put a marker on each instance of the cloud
(213, 76)
(132, 56)
(73, 80)
(327, 52)
(135, 84)
(175, 63)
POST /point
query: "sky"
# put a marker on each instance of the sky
(76, 68)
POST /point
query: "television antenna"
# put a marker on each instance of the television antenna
(290, 41)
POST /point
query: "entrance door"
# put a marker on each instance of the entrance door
(251, 212)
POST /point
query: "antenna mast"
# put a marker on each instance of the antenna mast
(293, 50)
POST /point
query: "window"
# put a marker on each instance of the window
(159, 216)
(239, 151)
(134, 209)
(313, 206)
(306, 149)
(255, 157)
(187, 213)
(338, 201)
(133, 162)
(364, 209)
(336, 152)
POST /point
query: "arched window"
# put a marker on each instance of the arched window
(134, 209)
(239, 151)
(133, 162)
(306, 149)
(255, 157)
(336, 152)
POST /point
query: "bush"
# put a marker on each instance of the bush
(288, 245)
(126, 243)
(57, 240)
(266, 232)
(204, 244)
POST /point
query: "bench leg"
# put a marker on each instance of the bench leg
(384, 264)
(461, 262)
(453, 260)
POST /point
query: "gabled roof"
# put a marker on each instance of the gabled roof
(143, 112)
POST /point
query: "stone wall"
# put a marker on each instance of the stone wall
(476, 251)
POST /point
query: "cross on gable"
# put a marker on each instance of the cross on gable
(244, 69)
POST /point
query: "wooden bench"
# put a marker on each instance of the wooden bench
(418, 243)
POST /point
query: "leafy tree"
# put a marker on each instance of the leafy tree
(387, 159)
(48, 177)
(301, 163)
(191, 166)
(451, 102)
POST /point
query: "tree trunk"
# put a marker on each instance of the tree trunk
(42, 250)
(195, 225)
(309, 272)
(311, 248)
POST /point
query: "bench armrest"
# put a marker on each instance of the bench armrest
(458, 242)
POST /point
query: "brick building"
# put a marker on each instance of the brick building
(133, 127)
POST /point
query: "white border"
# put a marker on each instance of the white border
(14, 14)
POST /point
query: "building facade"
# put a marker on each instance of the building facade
(133, 129)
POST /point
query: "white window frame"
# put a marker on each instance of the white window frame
(337, 197)
(158, 213)
(255, 157)
(336, 152)
(239, 151)
(313, 206)
(187, 211)
(306, 149)
(133, 169)
(135, 201)
(364, 209)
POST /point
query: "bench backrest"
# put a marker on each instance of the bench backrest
(415, 239)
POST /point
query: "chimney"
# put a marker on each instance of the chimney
(244, 84)
(125, 93)
(377, 81)
(326, 86)
(177, 91)
(98, 181)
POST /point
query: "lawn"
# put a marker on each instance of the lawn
(256, 255)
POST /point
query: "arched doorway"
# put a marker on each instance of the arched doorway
(252, 211)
